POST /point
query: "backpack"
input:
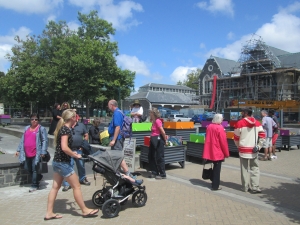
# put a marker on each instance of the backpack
(126, 131)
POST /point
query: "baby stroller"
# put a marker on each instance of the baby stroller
(110, 198)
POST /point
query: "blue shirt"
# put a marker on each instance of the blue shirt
(117, 120)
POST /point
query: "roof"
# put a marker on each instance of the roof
(290, 60)
(164, 97)
(227, 65)
(277, 51)
(167, 86)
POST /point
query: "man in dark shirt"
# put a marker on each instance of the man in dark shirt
(79, 132)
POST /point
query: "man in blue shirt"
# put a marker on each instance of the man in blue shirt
(114, 128)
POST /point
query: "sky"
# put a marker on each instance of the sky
(163, 40)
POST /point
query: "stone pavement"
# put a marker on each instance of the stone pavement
(183, 198)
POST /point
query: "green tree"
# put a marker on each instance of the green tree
(64, 65)
(191, 80)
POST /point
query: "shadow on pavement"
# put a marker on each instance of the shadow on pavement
(285, 195)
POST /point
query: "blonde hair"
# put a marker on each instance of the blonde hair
(218, 118)
(63, 107)
(155, 112)
(65, 117)
(96, 121)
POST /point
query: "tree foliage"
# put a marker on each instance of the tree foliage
(191, 80)
(64, 65)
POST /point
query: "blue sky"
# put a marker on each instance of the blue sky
(163, 40)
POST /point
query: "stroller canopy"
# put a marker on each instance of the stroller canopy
(110, 159)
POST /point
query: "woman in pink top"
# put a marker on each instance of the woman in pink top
(156, 150)
(33, 145)
(216, 148)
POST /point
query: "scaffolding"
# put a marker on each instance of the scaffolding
(260, 75)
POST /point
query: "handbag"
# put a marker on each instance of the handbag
(207, 174)
(42, 166)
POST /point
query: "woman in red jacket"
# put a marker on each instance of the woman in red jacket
(216, 148)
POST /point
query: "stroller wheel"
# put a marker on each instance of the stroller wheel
(111, 208)
(98, 198)
(139, 198)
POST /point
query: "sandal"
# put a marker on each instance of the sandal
(263, 159)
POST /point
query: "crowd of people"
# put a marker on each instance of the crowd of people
(249, 136)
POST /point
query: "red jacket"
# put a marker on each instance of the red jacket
(216, 146)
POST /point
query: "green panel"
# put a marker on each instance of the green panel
(141, 127)
(197, 138)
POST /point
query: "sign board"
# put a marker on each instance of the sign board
(129, 153)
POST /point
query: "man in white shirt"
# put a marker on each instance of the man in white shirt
(136, 112)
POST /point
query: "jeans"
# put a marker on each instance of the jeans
(32, 169)
(63, 168)
(80, 168)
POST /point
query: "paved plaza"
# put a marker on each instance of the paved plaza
(183, 198)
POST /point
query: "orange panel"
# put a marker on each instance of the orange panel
(179, 125)
(230, 134)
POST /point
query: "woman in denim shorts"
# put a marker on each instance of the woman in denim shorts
(62, 168)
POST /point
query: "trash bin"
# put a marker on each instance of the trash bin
(94, 112)
(99, 113)
(103, 113)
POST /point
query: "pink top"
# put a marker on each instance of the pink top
(30, 142)
(155, 131)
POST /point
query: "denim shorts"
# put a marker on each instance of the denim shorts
(63, 168)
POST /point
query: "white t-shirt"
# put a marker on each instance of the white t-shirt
(137, 110)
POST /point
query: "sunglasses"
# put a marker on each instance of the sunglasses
(34, 119)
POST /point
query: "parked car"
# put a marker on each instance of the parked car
(197, 119)
(178, 118)
(209, 115)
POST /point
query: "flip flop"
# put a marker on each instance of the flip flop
(91, 214)
(53, 217)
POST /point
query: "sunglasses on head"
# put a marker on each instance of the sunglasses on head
(34, 119)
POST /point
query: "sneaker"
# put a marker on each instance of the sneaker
(138, 182)
(152, 175)
(159, 177)
(32, 189)
(256, 191)
(66, 188)
(218, 189)
(274, 156)
(85, 182)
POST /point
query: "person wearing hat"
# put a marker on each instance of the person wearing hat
(136, 112)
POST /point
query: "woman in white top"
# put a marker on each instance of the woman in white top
(136, 112)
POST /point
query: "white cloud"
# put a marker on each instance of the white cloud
(31, 6)
(202, 45)
(7, 42)
(215, 6)
(181, 72)
(282, 32)
(73, 25)
(230, 35)
(120, 15)
(50, 18)
(134, 64)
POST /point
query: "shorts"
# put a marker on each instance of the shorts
(268, 143)
(63, 168)
(118, 145)
(274, 138)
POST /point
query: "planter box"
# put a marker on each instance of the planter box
(230, 134)
(147, 141)
(194, 149)
(206, 123)
(139, 136)
(197, 138)
(289, 132)
(179, 125)
(231, 146)
(291, 140)
(5, 119)
(184, 133)
(141, 127)
(175, 154)
(232, 123)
